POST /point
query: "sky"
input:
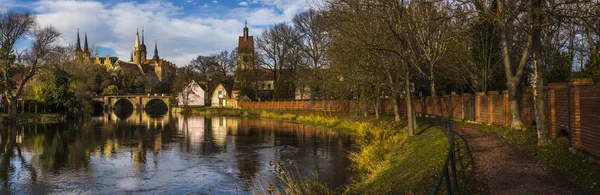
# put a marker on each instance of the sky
(183, 29)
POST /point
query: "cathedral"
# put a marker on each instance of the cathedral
(139, 64)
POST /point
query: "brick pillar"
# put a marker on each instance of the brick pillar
(478, 106)
(491, 95)
(575, 108)
(552, 107)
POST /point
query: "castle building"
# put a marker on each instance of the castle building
(139, 64)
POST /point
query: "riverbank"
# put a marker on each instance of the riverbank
(33, 118)
(386, 160)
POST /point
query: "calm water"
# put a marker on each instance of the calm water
(165, 155)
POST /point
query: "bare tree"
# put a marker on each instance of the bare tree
(12, 27)
(314, 43)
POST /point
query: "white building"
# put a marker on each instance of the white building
(192, 95)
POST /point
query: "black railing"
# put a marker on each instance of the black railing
(448, 172)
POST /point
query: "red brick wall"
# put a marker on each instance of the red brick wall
(574, 108)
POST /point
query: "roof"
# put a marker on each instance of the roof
(227, 89)
(246, 46)
(112, 59)
(130, 66)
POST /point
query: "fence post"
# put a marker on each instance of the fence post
(491, 95)
(478, 106)
(506, 109)
(575, 108)
(552, 114)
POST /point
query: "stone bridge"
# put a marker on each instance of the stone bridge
(139, 102)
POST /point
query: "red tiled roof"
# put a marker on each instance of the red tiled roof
(246, 46)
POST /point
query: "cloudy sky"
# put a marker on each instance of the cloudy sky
(183, 28)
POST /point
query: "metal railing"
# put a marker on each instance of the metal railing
(448, 172)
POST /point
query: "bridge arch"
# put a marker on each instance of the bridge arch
(123, 108)
(97, 107)
(156, 106)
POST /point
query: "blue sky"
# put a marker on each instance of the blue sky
(182, 28)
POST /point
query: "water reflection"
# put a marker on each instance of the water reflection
(167, 154)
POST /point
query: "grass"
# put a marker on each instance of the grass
(581, 168)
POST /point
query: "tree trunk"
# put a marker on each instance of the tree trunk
(538, 88)
(13, 108)
(376, 103)
(515, 112)
(409, 108)
(396, 100)
(432, 81)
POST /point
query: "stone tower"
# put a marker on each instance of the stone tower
(246, 50)
(86, 51)
(77, 54)
(143, 48)
(137, 53)
(155, 57)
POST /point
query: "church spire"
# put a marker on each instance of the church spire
(131, 59)
(137, 39)
(143, 36)
(78, 49)
(246, 31)
(85, 44)
(155, 50)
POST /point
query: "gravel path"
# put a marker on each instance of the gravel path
(504, 169)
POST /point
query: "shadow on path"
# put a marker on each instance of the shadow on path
(501, 168)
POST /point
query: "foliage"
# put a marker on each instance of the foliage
(560, 70)
(110, 90)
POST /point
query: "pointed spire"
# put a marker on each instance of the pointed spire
(246, 31)
(137, 39)
(78, 42)
(143, 35)
(85, 44)
(131, 60)
(155, 50)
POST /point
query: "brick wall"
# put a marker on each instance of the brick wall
(573, 108)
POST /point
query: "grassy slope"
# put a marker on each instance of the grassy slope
(386, 161)
(583, 169)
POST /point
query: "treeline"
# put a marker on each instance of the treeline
(405, 48)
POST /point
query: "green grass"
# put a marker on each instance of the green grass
(581, 168)
(410, 168)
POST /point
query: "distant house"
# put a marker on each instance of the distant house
(221, 96)
(194, 94)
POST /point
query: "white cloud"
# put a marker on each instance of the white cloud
(7, 4)
(180, 37)
(243, 3)
(215, 1)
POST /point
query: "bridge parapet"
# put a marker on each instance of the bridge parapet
(138, 101)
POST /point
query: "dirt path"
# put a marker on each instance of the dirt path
(504, 169)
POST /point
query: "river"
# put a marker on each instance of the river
(169, 154)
